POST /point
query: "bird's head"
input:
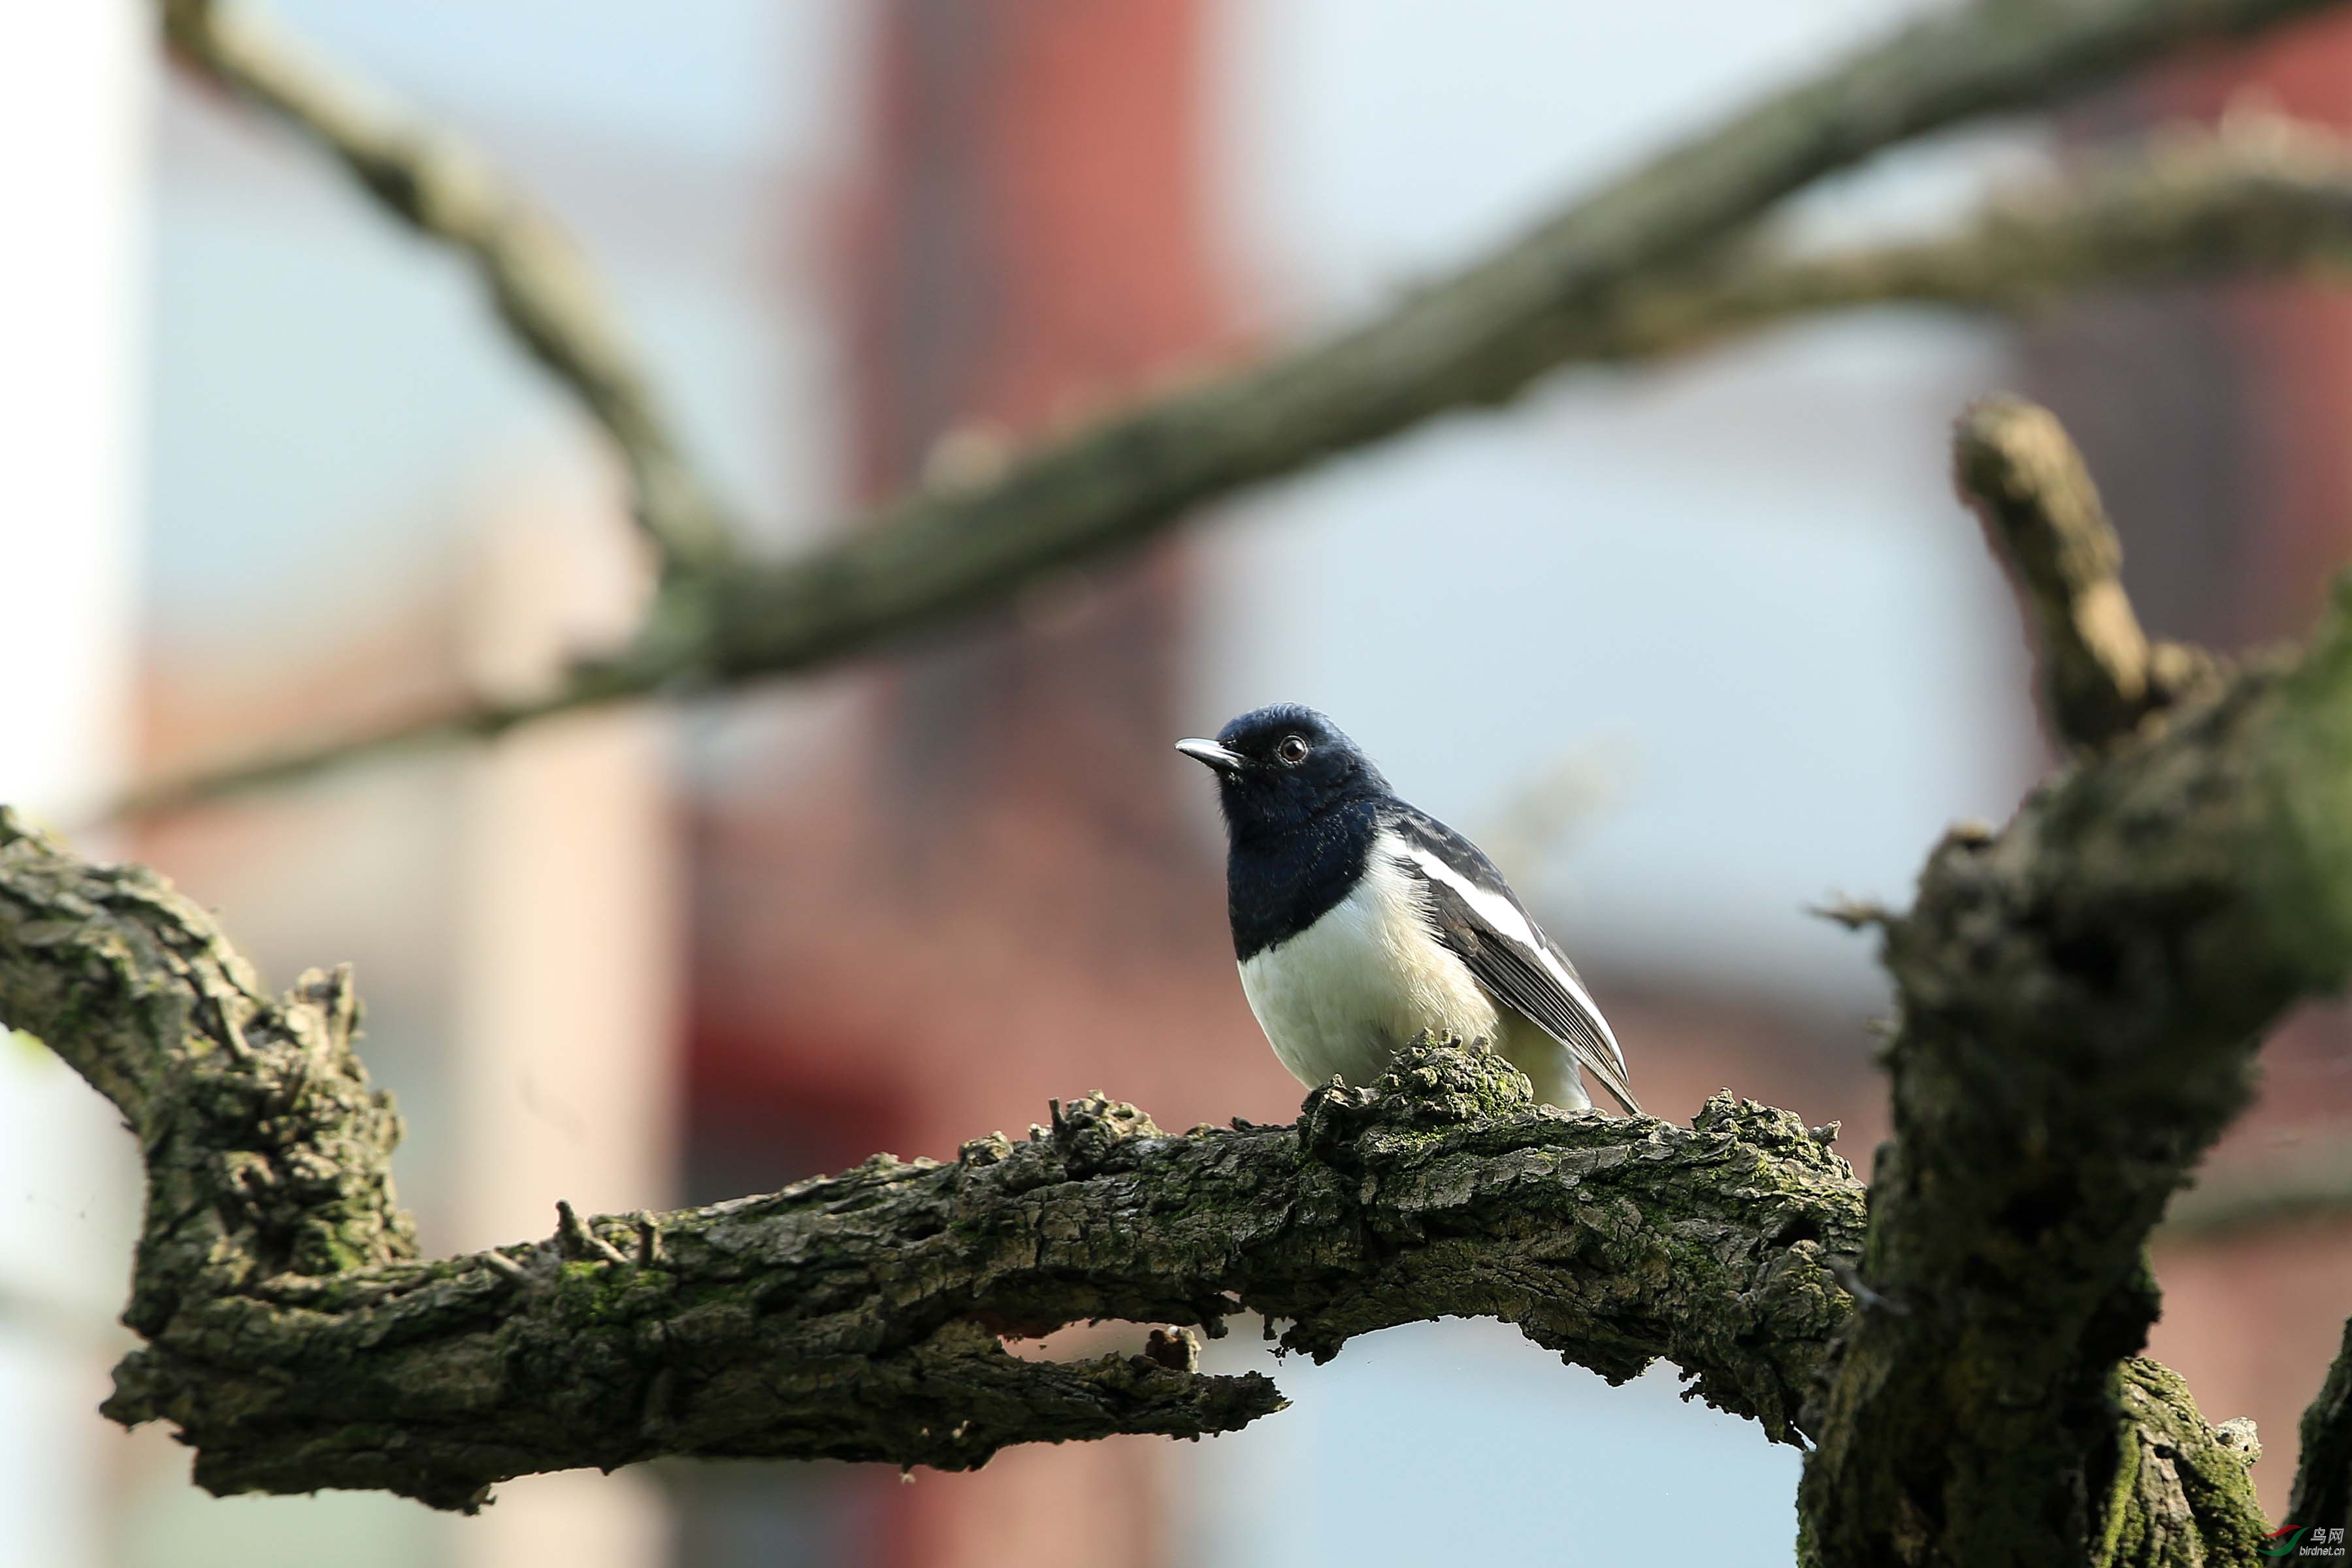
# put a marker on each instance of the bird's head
(1284, 767)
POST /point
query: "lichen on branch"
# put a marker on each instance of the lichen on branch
(860, 1316)
(2081, 995)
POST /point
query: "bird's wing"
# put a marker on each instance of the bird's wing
(1479, 918)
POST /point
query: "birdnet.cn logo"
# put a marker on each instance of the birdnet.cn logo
(2304, 1541)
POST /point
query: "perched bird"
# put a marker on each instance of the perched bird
(1359, 922)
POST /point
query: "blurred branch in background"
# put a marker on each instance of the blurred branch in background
(1653, 263)
(543, 288)
(2259, 195)
(2312, 1183)
(80, 1326)
(1544, 810)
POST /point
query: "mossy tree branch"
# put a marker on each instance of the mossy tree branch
(266, 1150)
(2323, 1480)
(1668, 257)
(2290, 1187)
(2080, 996)
(296, 1341)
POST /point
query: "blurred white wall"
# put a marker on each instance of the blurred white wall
(75, 91)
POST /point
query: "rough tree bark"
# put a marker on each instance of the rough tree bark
(2079, 993)
(2323, 1480)
(297, 1342)
(2080, 996)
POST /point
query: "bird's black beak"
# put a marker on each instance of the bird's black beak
(1210, 754)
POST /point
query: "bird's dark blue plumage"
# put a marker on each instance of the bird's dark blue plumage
(1296, 835)
(1360, 921)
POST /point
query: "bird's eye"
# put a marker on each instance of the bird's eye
(1293, 751)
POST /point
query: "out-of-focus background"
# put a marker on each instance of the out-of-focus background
(1689, 647)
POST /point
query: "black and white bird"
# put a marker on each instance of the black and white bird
(1359, 922)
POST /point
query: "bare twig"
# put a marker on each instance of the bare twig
(2260, 195)
(1855, 914)
(2015, 465)
(542, 286)
(506, 1267)
(2191, 206)
(2100, 674)
(478, 719)
(1478, 337)
(578, 1240)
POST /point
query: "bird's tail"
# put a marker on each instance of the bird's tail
(1612, 1077)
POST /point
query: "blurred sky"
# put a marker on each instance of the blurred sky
(1462, 1443)
(1736, 593)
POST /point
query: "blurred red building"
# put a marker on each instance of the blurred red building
(985, 891)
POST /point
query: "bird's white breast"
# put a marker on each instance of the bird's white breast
(1342, 996)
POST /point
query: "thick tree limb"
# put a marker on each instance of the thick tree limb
(2178, 1492)
(541, 284)
(2322, 1482)
(2101, 677)
(2081, 994)
(1654, 262)
(297, 1343)
(265, 1150)
(2080, 999)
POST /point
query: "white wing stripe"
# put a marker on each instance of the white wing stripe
(1511, 923)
